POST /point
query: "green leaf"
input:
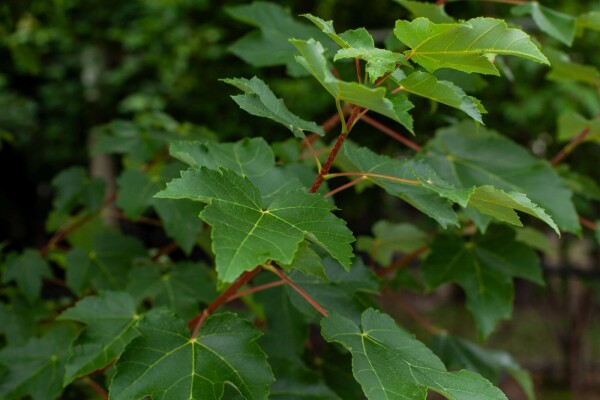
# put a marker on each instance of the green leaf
(535, 239)
(294, 381)
(556, 24)
(135, 192)
(181, 288)
(37, 367)
(390, 364)
(484, 268)
(164, 362)
(464, 46)
(73, 187)
(110, 320)
(307, 261)
(180, 221)
(571, 124)
(259, 100)
(270, 46)
(106, 264)
(597, 232)
(426, 85)
(359, 43)
(313, 59)
(563, 69)
(457, 352)
(389, 239)
(467, 155)
(589, 20)
(342, 291)
(28, 270)
(431, 11)
(245, 234)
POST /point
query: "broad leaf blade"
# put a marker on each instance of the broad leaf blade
(464, 46)
(165, 363)
(484, 268)
(259, 100)
(390, 364)
(246, 234)
(556, 24)
(571, 124)
(111, 319)
(28, 270)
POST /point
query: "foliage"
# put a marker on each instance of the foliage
(263, 227)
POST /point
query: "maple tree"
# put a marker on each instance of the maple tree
(263, 254)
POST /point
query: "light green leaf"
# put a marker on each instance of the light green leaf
(389, 239)
(484, 268)
(307, 261)
(312, 58)
(270, 46)
(464, 46)
(37, 367)
(28, 270)
(556, 24)
(589, 20)
(164, 362)
(467, 155)
(259, 100)
(181, 287)
(457, 352)
(431, 11)
(245, 234)
(571, 124)
(426, 85)
(390, 364)
(111, 320)
(535, 239)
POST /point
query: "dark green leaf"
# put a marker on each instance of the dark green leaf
(136, 189)
(464, 46)
(307, 261)
(563, 69)
(180, 221)
(296, 382)
(259, 100)
(390, 364)
(110, 320)
(28, 270)
(467, 155)
(431, 11)
(37, 367)
(313, 59)
(69, 186)
(270, 46)
(245, 234)
(556, 24)
(164, 362)
(460, 353)
(484, 268)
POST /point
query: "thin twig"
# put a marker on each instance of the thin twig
(392, 133)
(199, 319)
(314, 154)
(565, 151)
(344, 186)
(141, 219)
(97, 388)
(298, 289)
(167, 249)
(588, 223)
(358, 71)
(402, 262)
(256, 289)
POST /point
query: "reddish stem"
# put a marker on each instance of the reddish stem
(588, 223)
(565, 151)
(312, 151)
(403, 262)
(390, 132)
(97, 388)
(358, 71)
(440, 3)
(168, 249)
(199, 319)
(429, 327)
(344, 186)
(256, 289)
(298, 289)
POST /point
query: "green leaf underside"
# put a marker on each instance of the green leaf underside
(558, 25)
(245, 234)
(312, 58)
(165, 363)
(457, 352)
(466, 155)
(270, 46)
(431, 11)
(358, 43)
(464, 46)
(390, 364)
(484, 268)
(485, 199)
(111, 319)
(259, 100)
(571, 124)
(37, 367)
(28, 270)
(426, 85)
(389, 239)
